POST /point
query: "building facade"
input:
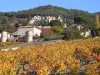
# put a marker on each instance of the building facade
(44, 18)
(22, 30)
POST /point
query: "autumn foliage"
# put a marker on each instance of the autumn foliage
(9, 43)
(67, 57)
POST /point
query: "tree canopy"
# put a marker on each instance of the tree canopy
(48, 10)
(9, 18)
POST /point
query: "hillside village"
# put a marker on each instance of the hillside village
(49, 40)
(46, 18)
(36, 25)
(27, 33)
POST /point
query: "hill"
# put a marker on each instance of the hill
(48, 10)
(97, 13)
(23, 16)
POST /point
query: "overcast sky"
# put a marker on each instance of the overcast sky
(15, 5)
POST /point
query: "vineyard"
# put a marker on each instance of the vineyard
(2, 44)
(77, 57)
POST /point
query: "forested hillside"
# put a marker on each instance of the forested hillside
(97, 13)
(48, 11)
(10, 18)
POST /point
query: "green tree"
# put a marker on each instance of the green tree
(78, 20)
(56, 23)
(5, 26)
(58, 30)
(69, 22)
(44, 23)
(85, 22)
(72, 33)
(4, 20)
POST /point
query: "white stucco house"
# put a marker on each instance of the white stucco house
(34, 19)
(44, 18)
(86, 34)
(60, 19)
(21, 33)
(23, 29)
(79, 27)
(7, 35)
